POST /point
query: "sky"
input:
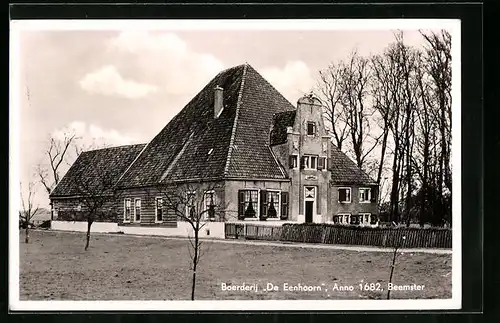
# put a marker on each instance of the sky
(123, 86)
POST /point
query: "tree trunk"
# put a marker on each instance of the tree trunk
(27, 237)
(89, 224)
(392, 270)
(195, 262)
(382, 155)
(395, 186)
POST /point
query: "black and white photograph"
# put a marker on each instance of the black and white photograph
(235, 164)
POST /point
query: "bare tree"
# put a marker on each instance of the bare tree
(329, 91)
(50, 174)
(29, 210)
(385, 87)
(357, 113)
(196, 204)
(96, 196)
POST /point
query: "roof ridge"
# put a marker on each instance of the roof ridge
(132, 163)
(233, 131)
(277, 162)
(177, 157)
(112, 147)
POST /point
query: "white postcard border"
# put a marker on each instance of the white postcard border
(16, 26)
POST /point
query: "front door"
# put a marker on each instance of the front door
(309, 211)
(310, 198)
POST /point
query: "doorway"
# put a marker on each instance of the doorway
(309, 199)
(309, 211)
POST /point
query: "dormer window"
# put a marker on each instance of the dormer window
(311, 128)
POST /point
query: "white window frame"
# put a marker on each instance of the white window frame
(187, 200)
(295, 159)
(369, 195)
(156, 209)
(325, 166)
(364, 222)
(125, 210)
(135, 209)
(350, 194)
(308, 164)
(342, 217)
(278, 211)
(205, 209)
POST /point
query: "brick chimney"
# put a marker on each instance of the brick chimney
(218, 101)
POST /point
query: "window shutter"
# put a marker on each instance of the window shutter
(321, 163)
(284, 205)
(241, 205)
(302, 162)
(263, 204)
(328, 163)
(374, 193)
(342, 195)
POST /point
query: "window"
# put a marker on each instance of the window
(314, 161)
(344, 195)
(159, 209)
(336, 219)
(293, 161)
(343, 218)
(190, 205)
(364, 218)
(137, 210)
(322, 163)
(209, 203)
(310, 162)
(311, 129)
(127, 210)
(247, 204)
(272, 204)
(354, 219)
(365, 195)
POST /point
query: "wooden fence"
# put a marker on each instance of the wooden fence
(336, 234)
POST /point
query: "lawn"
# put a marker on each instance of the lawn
(54, 266)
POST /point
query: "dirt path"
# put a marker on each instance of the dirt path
(280, 244)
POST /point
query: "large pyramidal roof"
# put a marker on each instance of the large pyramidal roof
(196, 146)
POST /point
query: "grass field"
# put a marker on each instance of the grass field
(54, 266)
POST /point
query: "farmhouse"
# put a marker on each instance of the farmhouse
(264, 158)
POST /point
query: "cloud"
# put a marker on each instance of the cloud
(165, 59)
(90, 135)
(108, 81)
(293, 80)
